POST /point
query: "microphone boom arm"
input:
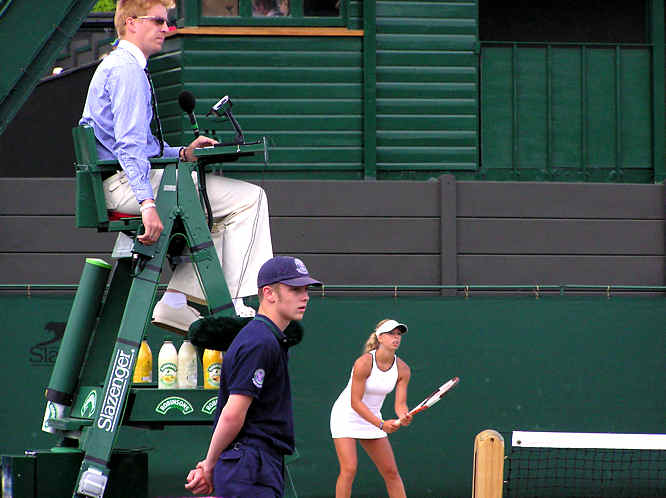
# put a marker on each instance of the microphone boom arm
(226, 110)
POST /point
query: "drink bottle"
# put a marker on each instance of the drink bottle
(212, 368)
(187, 366)
(167, 366)
(143, 371)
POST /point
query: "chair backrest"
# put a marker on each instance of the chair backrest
(90, 203)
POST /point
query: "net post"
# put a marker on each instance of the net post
(488, 475)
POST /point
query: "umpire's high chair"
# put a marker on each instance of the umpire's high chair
(90, 394)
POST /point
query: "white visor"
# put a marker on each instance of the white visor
(389, 325)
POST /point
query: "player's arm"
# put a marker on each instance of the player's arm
(362, 369)
(404, 374)
(228, 426)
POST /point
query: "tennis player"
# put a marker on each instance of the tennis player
(356, 414)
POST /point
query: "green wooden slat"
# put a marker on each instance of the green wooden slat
(244, 107)
(427, 75)
(636, 127)
(426, 42)
(165, 78)
(271, 58)
(272, 91)
(426, 154)
(274, 75)
(496, 108)
(426, 90)
(566, 108)
(393, 122)
(249, 123)
(426, 106)
(298, 138)
(434, 26)
(441, 166)
(424, 58)
(314, 139)
(601, 140)
(317, 155)
(532, 107)
(434, 10)
(418, 138)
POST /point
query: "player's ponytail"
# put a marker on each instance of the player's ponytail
(373, 343)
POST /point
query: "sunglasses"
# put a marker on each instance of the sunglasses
(159, 21)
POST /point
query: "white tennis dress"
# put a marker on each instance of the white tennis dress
(346, 422)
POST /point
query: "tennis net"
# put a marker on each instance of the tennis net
(590, 465)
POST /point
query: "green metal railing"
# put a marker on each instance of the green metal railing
(395, 288)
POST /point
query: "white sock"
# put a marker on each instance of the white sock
(238, 304)
(174, 299)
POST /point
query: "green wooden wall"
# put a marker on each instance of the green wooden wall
(567, 112)
(427, 92)
(556, 363)
(304, 93)
(416, 94)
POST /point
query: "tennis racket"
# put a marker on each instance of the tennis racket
(434, 397)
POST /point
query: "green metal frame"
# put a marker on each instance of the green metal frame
(47, 47)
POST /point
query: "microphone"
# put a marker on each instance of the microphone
(187, 101)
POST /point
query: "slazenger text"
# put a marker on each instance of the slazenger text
(111, 406)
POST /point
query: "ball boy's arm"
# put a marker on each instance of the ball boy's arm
(228, 426)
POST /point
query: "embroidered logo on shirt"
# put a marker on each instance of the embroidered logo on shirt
(300, 266)
(258, 377)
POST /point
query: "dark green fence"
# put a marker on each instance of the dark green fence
(567, 112)
(559, 363)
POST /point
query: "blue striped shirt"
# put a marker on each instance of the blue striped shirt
(118, 107)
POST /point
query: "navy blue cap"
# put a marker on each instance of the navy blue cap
(285, 270)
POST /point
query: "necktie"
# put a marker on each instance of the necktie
(156, 116)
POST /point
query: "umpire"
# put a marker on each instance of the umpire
(254, 425)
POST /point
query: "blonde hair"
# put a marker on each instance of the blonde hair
(134, 8)
(373, 343)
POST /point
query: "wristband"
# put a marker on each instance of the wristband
(381, 425)
(145, 206)
(181, 154)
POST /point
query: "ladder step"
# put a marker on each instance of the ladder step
(69, 424)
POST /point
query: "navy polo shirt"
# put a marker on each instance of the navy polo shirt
(256, 365)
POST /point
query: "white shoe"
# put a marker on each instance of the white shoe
(245, 311)
(174, 319)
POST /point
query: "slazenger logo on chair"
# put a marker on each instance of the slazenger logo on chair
(108, 415)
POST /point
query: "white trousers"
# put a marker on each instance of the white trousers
(241, 232)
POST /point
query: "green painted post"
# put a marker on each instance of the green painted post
(549, 112)
(198, 234)
(515, 130)
(618, 114)
(657, 40)
(369, 90)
